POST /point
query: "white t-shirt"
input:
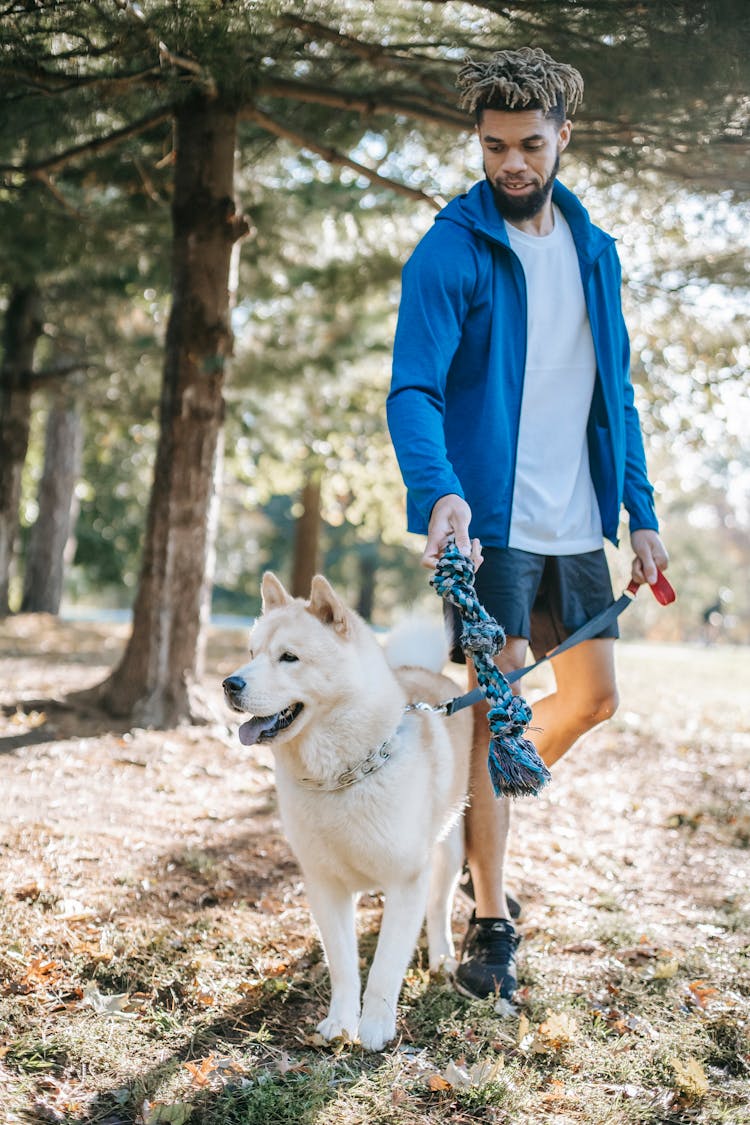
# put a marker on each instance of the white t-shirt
(555, 510)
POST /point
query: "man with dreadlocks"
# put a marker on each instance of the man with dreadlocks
(511, 412)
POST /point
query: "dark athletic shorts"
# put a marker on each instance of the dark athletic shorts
(544, 598)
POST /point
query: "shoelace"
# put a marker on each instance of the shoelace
(497, 940)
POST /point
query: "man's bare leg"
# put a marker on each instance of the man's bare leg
(487, 818)
(585, 695)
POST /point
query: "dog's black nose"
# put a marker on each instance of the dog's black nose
(233, 685)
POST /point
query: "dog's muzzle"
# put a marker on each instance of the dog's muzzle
(233, 689)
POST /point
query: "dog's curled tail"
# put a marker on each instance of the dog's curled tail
(418, 642)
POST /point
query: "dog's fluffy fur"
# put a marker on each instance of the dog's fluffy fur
(325, 695)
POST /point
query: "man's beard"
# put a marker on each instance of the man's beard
(527, 206)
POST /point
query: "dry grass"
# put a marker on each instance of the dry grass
(157, 963)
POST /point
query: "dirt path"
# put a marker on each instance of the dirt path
(150, 866)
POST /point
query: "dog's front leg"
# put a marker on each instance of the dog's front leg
(333, 910)
(403, 913)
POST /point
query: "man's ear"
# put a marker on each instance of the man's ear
(273, 593)
(327, 606)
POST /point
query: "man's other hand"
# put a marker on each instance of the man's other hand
(450, 519)
(650, 555)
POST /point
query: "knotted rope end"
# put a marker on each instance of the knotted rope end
(516, 770)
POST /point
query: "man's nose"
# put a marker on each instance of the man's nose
(514, 162)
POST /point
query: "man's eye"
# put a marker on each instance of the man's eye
(288, 658)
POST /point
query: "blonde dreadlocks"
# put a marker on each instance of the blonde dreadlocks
(517, 79)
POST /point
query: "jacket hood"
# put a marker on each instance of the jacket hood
(476, 211)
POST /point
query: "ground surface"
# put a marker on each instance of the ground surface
(157, 963)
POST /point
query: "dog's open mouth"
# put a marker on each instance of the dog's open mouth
(262, 728)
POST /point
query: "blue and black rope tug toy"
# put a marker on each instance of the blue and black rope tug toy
(516, 770)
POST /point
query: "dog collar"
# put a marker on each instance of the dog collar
(369, 765)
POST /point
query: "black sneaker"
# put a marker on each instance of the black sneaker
(466, 886)
(488, 959)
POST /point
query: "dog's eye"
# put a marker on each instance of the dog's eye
(288, 658)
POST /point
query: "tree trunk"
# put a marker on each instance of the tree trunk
(368, 568)
(307, 537)
(23, 327)
(154, 683)
(50, 535)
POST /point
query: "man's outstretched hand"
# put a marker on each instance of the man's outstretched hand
(450, 519)
(650, 556)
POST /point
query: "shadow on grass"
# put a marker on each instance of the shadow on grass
(259, 1034)
(60, 720)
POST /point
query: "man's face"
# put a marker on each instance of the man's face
(521, 151)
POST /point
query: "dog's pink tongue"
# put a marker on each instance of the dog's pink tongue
(251, 731)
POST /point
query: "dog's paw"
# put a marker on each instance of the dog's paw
(375, 1032)
(334, 1028)
(444, 967)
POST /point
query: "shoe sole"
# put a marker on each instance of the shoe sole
(462, 990)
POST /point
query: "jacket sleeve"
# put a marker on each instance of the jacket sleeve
(437, 285)
(638, 494)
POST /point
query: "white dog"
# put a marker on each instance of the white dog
(371, 793)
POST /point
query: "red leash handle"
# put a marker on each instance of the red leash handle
(661, 589)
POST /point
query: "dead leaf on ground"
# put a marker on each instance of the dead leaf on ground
(121, 1005)
(163, 1113)
(201, 1072)
(555, 1033)
(582, 947)
(457, 1075)
(690, 1077)
(701, 993)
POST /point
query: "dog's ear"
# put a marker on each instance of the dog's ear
(327, 606)
(273, 593)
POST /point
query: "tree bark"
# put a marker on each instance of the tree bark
(154, 685)
(23, 327)
(49, 543)
(307, 537)
(368, 569)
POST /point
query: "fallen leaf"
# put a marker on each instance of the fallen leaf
(690, 1078)
(116, 1004)
(457, 1075)
(161, 1113)
(556, 1032)
(201, 1072)
(71, 910)
(28, 891)
(42, 969)
(555, 1092)
(701, 993)
(665, 970)
(638, 954)
(582, 947)
(437, 1082)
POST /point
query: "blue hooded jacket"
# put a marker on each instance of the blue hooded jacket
(458, 367)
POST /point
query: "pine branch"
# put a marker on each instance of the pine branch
(95, 145)
(49, 82)
(179, 62)
(361, 48)
(57, 195)
(333, 156)
(424, 109)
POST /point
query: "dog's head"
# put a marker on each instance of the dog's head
(302, 661)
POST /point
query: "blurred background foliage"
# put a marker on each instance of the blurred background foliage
(659, 157)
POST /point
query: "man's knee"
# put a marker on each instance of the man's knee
(600, 706)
